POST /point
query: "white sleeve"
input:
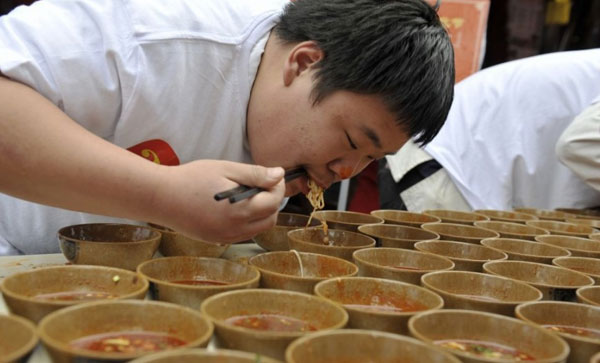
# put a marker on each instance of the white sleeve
(578, 148)
(77, 53)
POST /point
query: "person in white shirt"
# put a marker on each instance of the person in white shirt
(215, 93)
(520, 134)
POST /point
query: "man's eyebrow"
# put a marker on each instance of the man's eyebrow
(372, 135)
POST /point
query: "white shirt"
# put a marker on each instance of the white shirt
(131, 71)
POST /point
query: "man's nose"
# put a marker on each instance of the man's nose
(347, 168)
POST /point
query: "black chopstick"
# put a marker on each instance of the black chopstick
(243, 192)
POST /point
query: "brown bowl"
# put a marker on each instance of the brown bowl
(34, 294)
(198, 278)
(595, 223)
(108, 244)
(405, 218)
(176, 244)
(348, 221)
(589, 295)
(581, 213)
(299, 314)
(460, 232)
(455, 216)
(546, 214)
(512, 230)
(378, 304)
(563, 228)
(60, 329)
(204, 356)
(445, 326)
(466, 256)
(576, 323)
(17, 338)
(594, 236)
(396, 236)
(555, 283)
(523, 250)
(341, 244)
(276, 239)
(578, 246)
(354, 345)
(587, 265)
(283, 270)
(506, 216)
(399, 264)
(479, 291)
(595, 358)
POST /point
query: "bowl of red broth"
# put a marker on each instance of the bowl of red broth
(108, 244)
(578, 324)
(345, 220)
(173, 243)
(17, 338)
(475, 336)
(378, 304)
(188, 280)
(466, 256)
(121, 330)
(363, 346)
(275, 238)
(335, 242)
(299, 271)
(36, 293)
(265, 321)
(205, 356)
(397, 236)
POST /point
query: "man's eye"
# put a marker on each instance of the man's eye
(352, 145)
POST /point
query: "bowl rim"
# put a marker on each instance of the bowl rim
(465, 226)
(544, 214)
(464, 244)
(376, 220)
(542, 265)
(156, 235)
(541, 222)
(481, 224)
(496, 214)
(65, 303)
(372, 241)
(524, 241)
(404, 212)
(392, 227)
(586, 299)
(196, 287)
(570, 248)
(571, 257)
(432, 212)
(29, 345)
(201, 353)
(48, 339)
(398, 250)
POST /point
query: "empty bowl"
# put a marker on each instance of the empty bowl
(188, 280)
(522, 250)
(476, 336)
(396, 236)
(506, 216)
(479, 291)
(512, 230)
(555, 283)
(406, 218)
(589, 295)
(265, 321)
(578, 324)
(276, 239)
(176, 244)
(460, 232)
(399, 264)
(17, 338)
(34, 294)
(587, 265)
(358, 346)
(121, 330)
(299, 271)
(455, 216)
(563, 228)
(345, 220)
(204, 356)
(107, 244)
(466, 256)
(578, 246)
(546, 214)
(339, 243)
(378, 304)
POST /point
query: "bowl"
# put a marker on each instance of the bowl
(587, 265)
(204, 356)
(585, 221)
(512, 230)
(36, 293)
(578, 246)
(276, 239)
(563, 228)
(506, 216)
(589, 295)
(522, 250)
(594, 236)
(485, 333)
(348, 221)
(479, 291)
(378, 304)
(555, 283)
(87, 332)
(177, 244)
(455, 216)
(108, 244)
(595, 358)
(299, 271)
(341, 243)
(189, 280)
(466, 256)
(460, 232)
(406, 218)
(578, 324)
(546, 214)
(265, 321)
(581, 213)
(17, 338)
(396, 236)
(355, 345)
(399, 264)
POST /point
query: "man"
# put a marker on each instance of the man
(509, 131)
(203, 89)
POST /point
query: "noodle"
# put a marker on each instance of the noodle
(317, 200)
(299, 262)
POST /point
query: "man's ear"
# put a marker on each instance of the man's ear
(300, 59)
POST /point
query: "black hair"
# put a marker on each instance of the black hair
(397, 49)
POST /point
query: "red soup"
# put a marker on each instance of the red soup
(575, 330)
(271, 322)
(383, 303)
(76, 296)
(128, 342)
(484, 349)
